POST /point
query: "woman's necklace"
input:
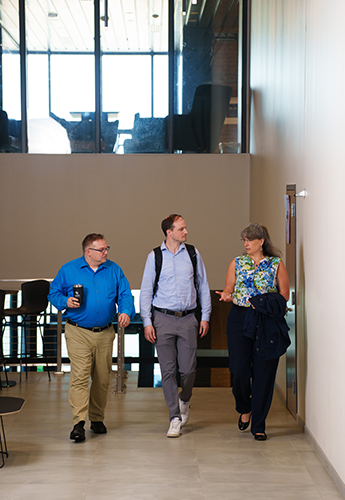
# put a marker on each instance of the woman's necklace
(257, 262)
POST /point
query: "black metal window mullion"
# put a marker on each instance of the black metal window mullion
(171, 56)
(98, 90)
(245, 76)
(23, 77)
(1, 95)
(49, 84)
(152, 85)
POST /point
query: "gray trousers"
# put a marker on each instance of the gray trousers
(176, 342)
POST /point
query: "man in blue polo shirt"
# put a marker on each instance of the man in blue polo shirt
(89, 331)
(172, 324)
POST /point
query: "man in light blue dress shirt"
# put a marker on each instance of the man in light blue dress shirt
(169, 320)
(89, 329)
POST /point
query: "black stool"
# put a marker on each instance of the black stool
(8, 405)
(8, 383)
(34, 305)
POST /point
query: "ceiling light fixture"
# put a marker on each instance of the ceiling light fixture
(195, 2)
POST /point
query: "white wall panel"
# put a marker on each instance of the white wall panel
(298, 106)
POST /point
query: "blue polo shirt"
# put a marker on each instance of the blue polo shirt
(102, 289)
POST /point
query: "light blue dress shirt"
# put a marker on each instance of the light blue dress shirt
(176, 290)
(102, 289)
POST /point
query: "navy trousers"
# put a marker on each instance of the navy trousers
(253, 378)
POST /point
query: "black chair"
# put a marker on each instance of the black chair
(8, 406)
(34, 304)
(199, 130)
(148, 136)
(81, 134)
(4, 133)
(2, 357)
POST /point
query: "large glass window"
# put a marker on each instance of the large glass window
(135, 73)
(206, 75)
(10, 99)
(160, 86)
(73, 99)
(61, 76)
(105, 86)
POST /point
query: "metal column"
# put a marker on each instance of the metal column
(121, 374)
(58, 344)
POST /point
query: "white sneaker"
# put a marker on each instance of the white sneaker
(175, 428)
(184, 409)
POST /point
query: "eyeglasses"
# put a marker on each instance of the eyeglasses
(244, 240)
(101, 250)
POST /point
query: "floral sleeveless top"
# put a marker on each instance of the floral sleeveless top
(251, 281)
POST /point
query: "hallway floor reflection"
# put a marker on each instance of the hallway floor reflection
(135, 460)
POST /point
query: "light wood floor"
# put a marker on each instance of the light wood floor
(212, 460)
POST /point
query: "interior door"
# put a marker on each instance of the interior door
(291, 355)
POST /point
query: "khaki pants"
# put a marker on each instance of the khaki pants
(90, 354)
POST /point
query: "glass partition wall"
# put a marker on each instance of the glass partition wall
(10, 98)
(120, 76)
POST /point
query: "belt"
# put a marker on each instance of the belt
(174, 313)
(95, 329)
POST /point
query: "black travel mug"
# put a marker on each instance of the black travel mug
(78, 293)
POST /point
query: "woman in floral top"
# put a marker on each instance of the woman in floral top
(258, 272)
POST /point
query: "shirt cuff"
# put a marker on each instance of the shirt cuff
(147, 322)
(205, 317)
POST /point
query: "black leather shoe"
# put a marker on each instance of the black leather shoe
(98, 428)
(243, 425)
(78, 432)
(260, 437)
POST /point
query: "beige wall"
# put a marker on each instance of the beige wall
(298, 104)
(49, 203)
(277, 87)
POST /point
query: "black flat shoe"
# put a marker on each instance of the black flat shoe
(243, 425)
(78, 432)
(260, 437)
(98, 428)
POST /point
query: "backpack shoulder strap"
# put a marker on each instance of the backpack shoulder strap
(193, 258)
(158, 266)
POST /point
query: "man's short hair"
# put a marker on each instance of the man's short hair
(168, 222)
(90, 238)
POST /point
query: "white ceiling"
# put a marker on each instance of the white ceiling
(134, 25)
(68, 25)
